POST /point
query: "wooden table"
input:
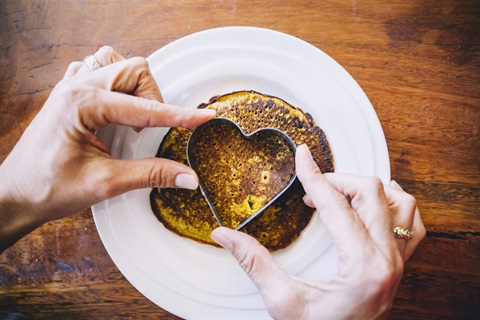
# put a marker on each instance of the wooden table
(417, 61)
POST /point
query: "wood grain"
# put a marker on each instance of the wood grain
(418, 62)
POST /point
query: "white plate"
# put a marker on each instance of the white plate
(193, 280)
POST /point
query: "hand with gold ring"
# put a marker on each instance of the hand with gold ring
(59, 167)
(359, 214)
(407, 225)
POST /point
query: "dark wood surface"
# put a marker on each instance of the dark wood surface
(417, 61)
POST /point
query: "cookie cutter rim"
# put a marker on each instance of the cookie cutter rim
(220, 120)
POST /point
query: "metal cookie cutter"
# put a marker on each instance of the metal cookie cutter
(197, 132)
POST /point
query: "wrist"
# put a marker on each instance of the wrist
(16, 213)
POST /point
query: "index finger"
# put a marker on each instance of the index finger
(340, 220)
(119, 108)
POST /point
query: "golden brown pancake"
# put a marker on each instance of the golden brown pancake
(240, 174)
(186, 213)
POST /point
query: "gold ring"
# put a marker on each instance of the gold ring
(401, 233)
(91, 63)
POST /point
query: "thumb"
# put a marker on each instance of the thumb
(126, 175)
(254, 259)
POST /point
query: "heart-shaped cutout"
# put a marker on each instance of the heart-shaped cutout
(240, 174)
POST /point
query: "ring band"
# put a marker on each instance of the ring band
(91, 63)
(401, 233)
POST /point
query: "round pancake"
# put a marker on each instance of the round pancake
(186, 213)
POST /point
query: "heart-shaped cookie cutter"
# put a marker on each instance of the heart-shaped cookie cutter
(192, 140)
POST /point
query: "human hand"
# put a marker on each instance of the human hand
(59, 167)
(359, 214)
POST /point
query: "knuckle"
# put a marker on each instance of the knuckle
(106, 55)
(68, 91)
(155, 177)
(64, 87)
(310, 176)
(386, 272)
(288, 304)
(106, 51)
(247, 259)
(421, 233)
(74, 104)
(150, 105)
(141, 66)
(409, 200)
(72, 65)
(314, 175)
(102, 183)
(105, 190)
(158, 176)
(141, 63)
(373, 183)
(152, 108)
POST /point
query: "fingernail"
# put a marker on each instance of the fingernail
(186, 181)
(303, 151)
(303, 147)
(306, 198)
(208, 112)
(308, 201)
(305, 165)
(220, 238)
